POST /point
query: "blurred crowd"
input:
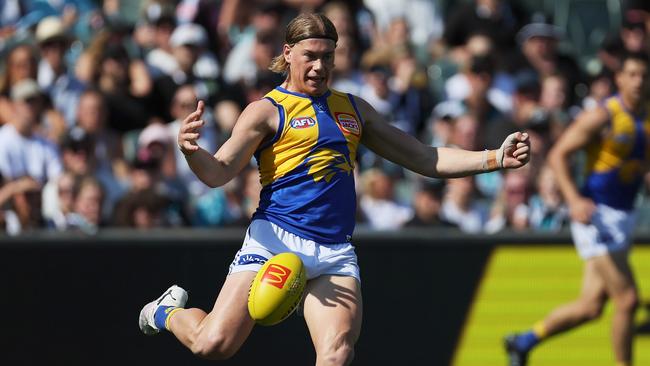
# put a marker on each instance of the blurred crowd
(92, 94)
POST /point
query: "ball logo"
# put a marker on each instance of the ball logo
(348, 123)
(302, 122)
(276, 275)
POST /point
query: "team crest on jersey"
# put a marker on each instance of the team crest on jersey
(302, 122)
(348, 123)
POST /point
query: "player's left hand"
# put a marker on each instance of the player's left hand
(515, 151)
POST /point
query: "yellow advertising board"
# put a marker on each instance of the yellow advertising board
(521, 284)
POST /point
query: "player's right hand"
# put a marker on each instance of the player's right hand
(189, 132)
(581, 209)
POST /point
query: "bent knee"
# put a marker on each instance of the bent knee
(214, 347)
(627, 300)
(592, 310)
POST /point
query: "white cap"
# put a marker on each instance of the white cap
(50, 27)
(25, 89)
(155, 132)
(189, 34)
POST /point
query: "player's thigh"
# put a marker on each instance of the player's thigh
(333, 310)
(229, 318)
(593, 285)
(614, 268)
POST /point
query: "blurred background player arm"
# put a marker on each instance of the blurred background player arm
(586, 126)
(441, 162)
(250, 130)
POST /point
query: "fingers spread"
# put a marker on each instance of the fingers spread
(192, 126)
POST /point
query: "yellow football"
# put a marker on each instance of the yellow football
(277, 289)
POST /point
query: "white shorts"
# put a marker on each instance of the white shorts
(265, 239)
(610, 230)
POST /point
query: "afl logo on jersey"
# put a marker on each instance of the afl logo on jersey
(348, 123)
(302, 122)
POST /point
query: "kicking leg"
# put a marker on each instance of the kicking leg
(333, 312)
(219, 334)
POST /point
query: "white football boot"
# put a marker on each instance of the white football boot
(173, 296)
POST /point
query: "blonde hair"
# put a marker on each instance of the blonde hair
(304, 26)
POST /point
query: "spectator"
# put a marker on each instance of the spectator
(19, 205)
(125, 83)
(427, 205)
(21, 64)
(183, 104)
(547, 209)
(378, 204)
(346, 76)
(495, 18)
(632, 37)
(23, 152)
(141, 210)
(460, 208)
(255, 49)
(58, 200)
(87, 209)
(53, 77)
(538, 41)
(185, 60)
(511, 207)
(92, 119)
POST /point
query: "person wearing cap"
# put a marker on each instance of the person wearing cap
(53, 77)
(22, 151)
(305, 138)
(184, 60)
(538, 42)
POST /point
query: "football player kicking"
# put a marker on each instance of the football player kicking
(305, 138)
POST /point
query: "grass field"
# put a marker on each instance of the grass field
(520, 286)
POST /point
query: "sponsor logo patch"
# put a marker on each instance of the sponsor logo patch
(251, 258)
(302, 122)
(276, 275)
(348, 123)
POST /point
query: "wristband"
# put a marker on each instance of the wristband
(492, 161)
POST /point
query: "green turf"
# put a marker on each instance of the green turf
(520, 286)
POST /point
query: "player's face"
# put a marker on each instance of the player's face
(632, 79)
(312, 61)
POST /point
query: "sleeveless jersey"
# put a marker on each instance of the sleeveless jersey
(617, 161)
(306, 169)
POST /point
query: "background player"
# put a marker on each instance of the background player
(305, 137)
(616, 137)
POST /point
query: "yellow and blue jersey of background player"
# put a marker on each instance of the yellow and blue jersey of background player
(306, 169)
(616, 162)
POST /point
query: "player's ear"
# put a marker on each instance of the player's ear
(286, 52)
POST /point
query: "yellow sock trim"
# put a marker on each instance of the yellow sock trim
(169, 316)
(623, 364)
(540, 329)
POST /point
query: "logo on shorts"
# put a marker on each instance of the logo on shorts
(251, 259)
(302, 122)
(348, 123)
(276, 275)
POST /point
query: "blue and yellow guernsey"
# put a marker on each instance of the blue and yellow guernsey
(618, 160)
(306, 169)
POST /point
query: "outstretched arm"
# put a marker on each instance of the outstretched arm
(256, 122)
(405, 150)
(577, 136)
